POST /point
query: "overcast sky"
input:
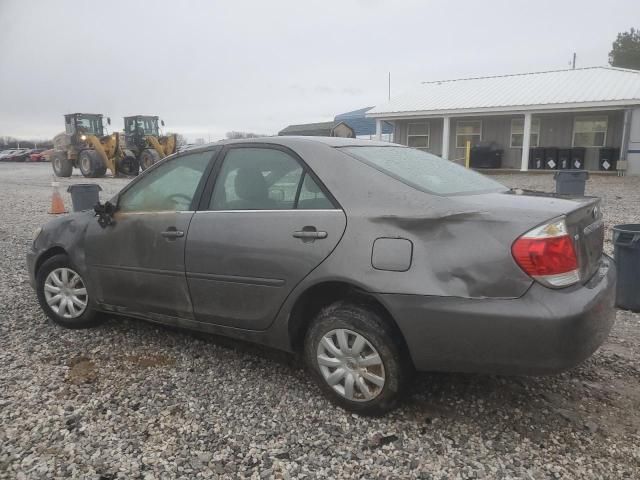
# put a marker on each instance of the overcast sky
(208, 67)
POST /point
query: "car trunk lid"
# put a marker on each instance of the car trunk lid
(586, 226)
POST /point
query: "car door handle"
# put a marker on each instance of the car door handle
(172, 233)
(309, 234)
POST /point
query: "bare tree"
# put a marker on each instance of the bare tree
(235, 135)
(12, 142)
(181, 140)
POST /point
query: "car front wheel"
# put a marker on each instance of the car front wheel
(357, 358)
(63, 294)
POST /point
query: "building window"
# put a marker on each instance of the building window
(469, 130)
(589, 131)
(418, 135)
(517, 132)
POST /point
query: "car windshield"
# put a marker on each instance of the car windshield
(424, 171)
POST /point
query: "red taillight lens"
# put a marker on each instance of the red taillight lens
(545, 256)
(547, 253)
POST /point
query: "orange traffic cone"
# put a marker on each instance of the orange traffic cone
(57, 204)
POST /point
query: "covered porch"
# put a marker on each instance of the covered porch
(521, 136)
(590, 112)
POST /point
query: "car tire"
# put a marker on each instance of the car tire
(50, 276)
(91, 165)
(148, 157)
(374, 336)
(62, 165)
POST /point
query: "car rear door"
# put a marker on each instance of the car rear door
(137, 263)
(266, 224)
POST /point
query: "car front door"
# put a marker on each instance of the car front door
(137, 263)
(267, 224)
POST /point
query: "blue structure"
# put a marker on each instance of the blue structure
(361, 125)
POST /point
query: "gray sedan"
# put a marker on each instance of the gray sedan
(371, 260)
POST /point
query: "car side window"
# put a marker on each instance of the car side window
(257, 179)
(312, 197)
(169, 187)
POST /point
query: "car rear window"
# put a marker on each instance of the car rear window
(424, 171)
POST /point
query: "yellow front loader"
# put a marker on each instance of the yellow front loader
(144, 140)
(84, 145)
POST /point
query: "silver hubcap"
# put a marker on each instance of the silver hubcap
(86, 163)
(66, 293)
(350, 365)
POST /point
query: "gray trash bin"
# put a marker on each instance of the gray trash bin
(84, 196)
(571, 182)
(626, 248)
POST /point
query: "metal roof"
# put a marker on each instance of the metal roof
(360, 124)
(582, 87)
(142, 116)
(318, 129)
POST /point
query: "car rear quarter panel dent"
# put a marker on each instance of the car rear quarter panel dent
(459, 248)
(466, 254)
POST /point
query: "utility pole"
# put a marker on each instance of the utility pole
(573, 63)
(389, 85)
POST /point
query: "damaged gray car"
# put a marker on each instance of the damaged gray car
(371, 260)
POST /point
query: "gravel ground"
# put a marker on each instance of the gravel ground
(133, 400)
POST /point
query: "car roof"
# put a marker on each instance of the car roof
(293, 140)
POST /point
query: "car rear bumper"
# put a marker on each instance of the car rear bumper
(544, 331)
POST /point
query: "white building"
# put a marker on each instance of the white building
(589, 112)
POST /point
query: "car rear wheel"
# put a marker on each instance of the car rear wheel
(63, 294)
(352, 353)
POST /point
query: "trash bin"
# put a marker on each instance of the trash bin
(626, 251)
(536, 158)
(571, 182)
(564, 159)
(486, 155)
(551, 158)
(608, 158)
(84, 196)
(577, 157)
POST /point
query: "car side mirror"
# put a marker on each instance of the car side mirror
(105, 212)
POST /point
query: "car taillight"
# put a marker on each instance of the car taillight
(547, 253)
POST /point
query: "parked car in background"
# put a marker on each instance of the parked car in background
(369, 259)
(46, 155)
(6, 153)
(16, 155)
(35, 155)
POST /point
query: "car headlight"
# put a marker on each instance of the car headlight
(83, 137)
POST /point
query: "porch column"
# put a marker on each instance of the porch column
(526, 142)
(446, 129)
(378, 129)
(392, 136)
